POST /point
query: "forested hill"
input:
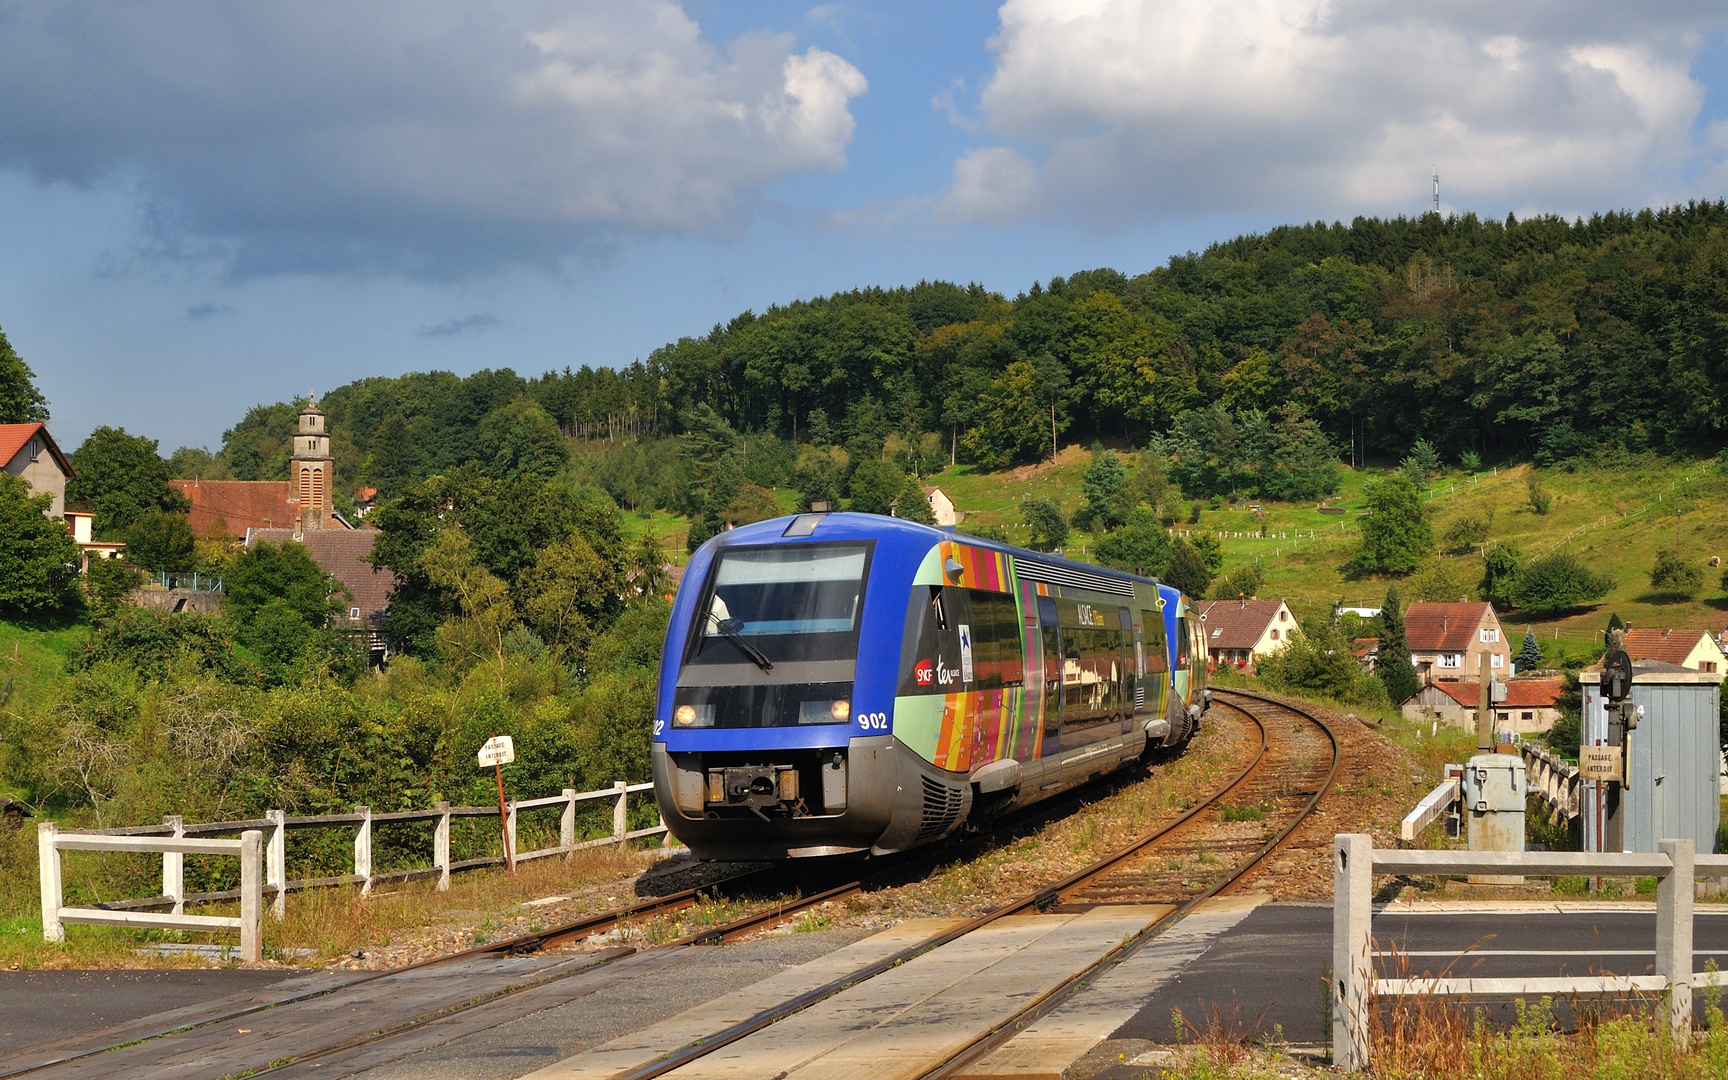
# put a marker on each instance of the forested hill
(1507, 338)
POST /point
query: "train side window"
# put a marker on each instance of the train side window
(930, 649)
(1157, 659)
(998, 651)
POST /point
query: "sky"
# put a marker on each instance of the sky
(206, 206)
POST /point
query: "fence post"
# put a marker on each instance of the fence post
(174, 867)
(567, 823)
(510, 847)
(48, 871)
(251, 897)
(620, 821)
(276, 863)
(363, 849)
(441, 846)
(1352, 965)
(1674, 934)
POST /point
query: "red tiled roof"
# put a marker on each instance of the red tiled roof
(1238, 624)
(14, 436)
(230, 507)
(341, 552)
(1520, 693)
(1668, 646)
(1442, 627)
(1362, 646)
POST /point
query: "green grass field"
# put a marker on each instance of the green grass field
(1615, 519)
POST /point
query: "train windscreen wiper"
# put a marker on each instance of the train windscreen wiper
(728, 630)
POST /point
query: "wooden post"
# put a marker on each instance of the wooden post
(1674, 934)
(1352, 963)
(504, 822)
(251, 897)
(48, 872)
(276, 863)
(174, 867)
(567, 823)
(441, 846)
(363, 849)
(620, 818)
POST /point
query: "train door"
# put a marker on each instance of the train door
(1152, 690)
(1180, 678)
(1092, 673)
(1050, 633)
(1131, 660)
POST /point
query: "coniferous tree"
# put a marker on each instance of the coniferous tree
(1530, 656)
(1393, 665)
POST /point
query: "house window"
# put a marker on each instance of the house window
(1283, 616)
(1490, 634)
(1526, 716)
(1494, 659)
(1451, 660)
(353, 613)
(1707, 666)
(1274, 635)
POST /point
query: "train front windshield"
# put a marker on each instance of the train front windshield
(776, 638)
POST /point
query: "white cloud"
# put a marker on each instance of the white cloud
(1143, 108)
(431, 138)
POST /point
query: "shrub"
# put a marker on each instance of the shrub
(1558, 582)
(1540, 501)
(1674, 576)
(1463, 535)
(1047, 522)
(1142, 546)
(1318, 660)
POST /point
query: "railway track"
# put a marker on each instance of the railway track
(1182, 861)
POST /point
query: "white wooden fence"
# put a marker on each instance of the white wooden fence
(1355, 861)
(174, 840)
(1554, 781)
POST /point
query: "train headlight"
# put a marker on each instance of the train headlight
(841, 711)
(690, 716)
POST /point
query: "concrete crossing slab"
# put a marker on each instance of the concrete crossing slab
(1045, 1049)
(641, 1047)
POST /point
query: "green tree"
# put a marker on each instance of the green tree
(1530, 655)
(520, 440)
(1046, 523)
(565, 595)
(1392, 663)
(1141, 545)
(875, 485)
(120, 477)
(1396, 536)
(1300, 461)
(1186, 570)
(159, 540)
(1422, 462)
(1558, 582)
(286, 574)
(1466, 534)
(193, 463)
(914, 505)
(395, 458)
(1500, 568)
(1674, 576)
(38, 560)
(107, 585)
(1318, 660)
(1104, 489)
(1242, 583)
(20, 401)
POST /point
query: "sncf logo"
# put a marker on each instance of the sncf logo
(925, 673)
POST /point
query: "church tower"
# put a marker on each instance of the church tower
(312, 470)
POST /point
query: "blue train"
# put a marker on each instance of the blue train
(849, 683)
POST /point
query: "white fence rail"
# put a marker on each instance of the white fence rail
(1355, 861)
(174, 840)
(50, 842)
(1554, 781)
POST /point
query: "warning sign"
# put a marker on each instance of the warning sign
(1601, 763)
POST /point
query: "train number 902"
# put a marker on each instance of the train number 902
(873, 721)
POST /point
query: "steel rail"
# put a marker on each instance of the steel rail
(1036, 900)
(1057, 996)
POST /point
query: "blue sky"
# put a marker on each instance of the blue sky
(202, 209)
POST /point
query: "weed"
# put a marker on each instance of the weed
(1242, 813)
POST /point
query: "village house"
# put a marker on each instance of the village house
(27, 450)
(942, 508)
(1446, 640)
(1693, 649)
(342, 554)
(1239, 632)
(1531, 705)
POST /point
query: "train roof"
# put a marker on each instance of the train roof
(846, 525)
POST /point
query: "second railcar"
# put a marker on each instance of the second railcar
(848, 683)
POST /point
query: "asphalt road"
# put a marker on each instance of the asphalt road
(42, 1006)
(1266, 970)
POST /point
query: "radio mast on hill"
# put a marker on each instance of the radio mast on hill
(1436, 189)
